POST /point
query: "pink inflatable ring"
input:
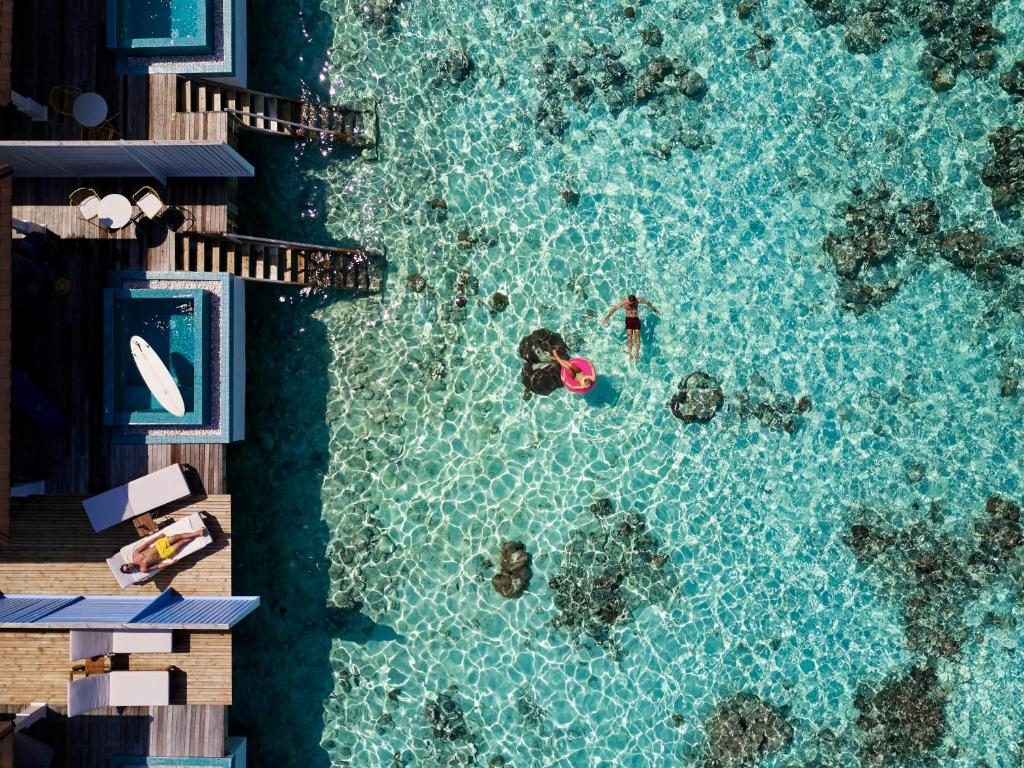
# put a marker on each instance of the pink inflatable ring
(585, 367)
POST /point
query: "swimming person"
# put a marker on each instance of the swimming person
(632, 305)
(159, 553)
(581, 378)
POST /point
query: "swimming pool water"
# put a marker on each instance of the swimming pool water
(813, 559)
(143, 26)
(169, 326)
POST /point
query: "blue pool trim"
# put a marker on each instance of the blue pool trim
(119, 41)
(232, 359)
(127, 761)
(198, 414)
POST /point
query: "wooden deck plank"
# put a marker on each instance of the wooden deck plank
(53, 550)
(36, 667)
(5, 352)
(89, 741)
(63, 42)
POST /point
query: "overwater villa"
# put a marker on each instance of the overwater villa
(122, 369)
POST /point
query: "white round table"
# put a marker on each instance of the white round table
(115, 211)
(90, 109)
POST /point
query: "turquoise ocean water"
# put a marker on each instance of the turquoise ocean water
(391, 452)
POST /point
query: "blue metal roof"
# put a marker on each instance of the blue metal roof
(118, 610)
(27, 609)
(168, 610)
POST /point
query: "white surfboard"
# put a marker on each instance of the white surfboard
(157, 377)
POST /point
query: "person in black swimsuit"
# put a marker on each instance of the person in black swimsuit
(632, 306)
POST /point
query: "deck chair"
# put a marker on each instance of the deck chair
(191, 523)
(178, 219)
(103, 132)
(62, 99)
(144, 494)
(88, 644)
(149, 202)
(119, 689)
(87, 202)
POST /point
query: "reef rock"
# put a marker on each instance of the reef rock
(742, 730)
(698, 399)
(775, 410)
(609, 569)
(416, 283)
(378, 14)
(446, 718)
(879, 230)
(933, 576)
(903, 720)
(1004, 174)
(1012, 81)
(498, 303)
(514, 572)
(539, 374)
(456, 67)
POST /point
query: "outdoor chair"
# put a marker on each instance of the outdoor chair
(87, 202)
(149, 202)
(103, 132)
(144, 494)
(178, 219)
(193, 522)
(119, 689)
(88, 644)
(62, 99)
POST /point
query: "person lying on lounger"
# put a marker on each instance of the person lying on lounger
(158, 553)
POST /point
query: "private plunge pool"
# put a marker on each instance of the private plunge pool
(160, 26)
(173, 322)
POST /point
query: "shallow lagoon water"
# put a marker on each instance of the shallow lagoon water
(395, 427)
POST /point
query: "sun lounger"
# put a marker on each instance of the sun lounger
(132, 499)
(118, 689)
(191, 523)
(87, 644)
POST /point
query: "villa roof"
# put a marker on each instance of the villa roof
(5, 352)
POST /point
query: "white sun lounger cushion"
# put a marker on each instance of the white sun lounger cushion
(86, 644)
(144, 494)
(119, 689)
(191, 523)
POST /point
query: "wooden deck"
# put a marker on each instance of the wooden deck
(5, 351)
(53, 550)
(166, 122)
(45, 202)
(37, 666)
(6, 33)
(58, 344)
(63, 42)
(89, 741)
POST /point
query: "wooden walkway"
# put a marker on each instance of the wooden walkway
(53, 550)
(89, 741)
(318, 266)
(277, 115)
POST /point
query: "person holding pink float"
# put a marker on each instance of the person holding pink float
(578, 374)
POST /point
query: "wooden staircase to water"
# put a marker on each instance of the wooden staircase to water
(258, 258)
(280, 115)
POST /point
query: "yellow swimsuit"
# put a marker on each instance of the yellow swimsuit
(164, 548)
